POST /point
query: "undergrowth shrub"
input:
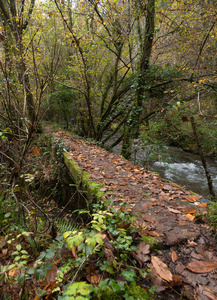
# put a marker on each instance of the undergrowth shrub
(212, 215)
(76, 260)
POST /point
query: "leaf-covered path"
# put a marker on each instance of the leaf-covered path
(165, 211)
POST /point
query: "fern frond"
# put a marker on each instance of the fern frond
(66, 225)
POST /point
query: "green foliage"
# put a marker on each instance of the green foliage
(85, 243)
(150, 240)
(174, 129)
(99, 219)
(212, 215)
(110, 289)
(63, 106)
(78, 290)
(66, 225)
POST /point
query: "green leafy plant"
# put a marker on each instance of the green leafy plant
(212, 215)
(99, 220)
(78, 291)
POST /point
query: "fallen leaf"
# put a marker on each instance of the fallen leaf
(189, 217)
(161, 269)
(210, 295)
(144, 248)
(201, 266)
(174, 256)
(4, 251)
(202, 204)
(179, 268)
(154, 233)
(123, 183)
(109, 255)
(177, 280)
(94, 279)
(157, 280)
(191, 244)
(175, 211)
(189, 292)
(73, 249)
(14, 272)
(141, 253)
(192, 198)
(35, 151)
(189, 210)
(149, 218)
(2, 241)
(196, 255)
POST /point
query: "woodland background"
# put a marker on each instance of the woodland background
(134, 72)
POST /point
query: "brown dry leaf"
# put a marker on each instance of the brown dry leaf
(14, 272)
(192, 199)
(189, 217)
(189, 210)
(2, 241)
(201, 266)
(73, 249)
(191, 244)
(157, 280)
(141, 253)
(210, 295)
(154, 233)
(49, 289)
(144, 248)
(202, 204)
(175, 211)
(94, 279)
(161, 269)
(123, 183)
(35, 152)
(106, 242)
(196, 255)
(177, 280)
(174, 256)
(109, 255)
(4, 251)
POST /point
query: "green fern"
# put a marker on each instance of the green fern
(66, 225)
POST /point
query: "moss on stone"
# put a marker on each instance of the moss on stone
(150, 240)
(138, 292)
(92, 188)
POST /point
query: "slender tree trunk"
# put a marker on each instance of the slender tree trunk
(132, 129)
(14, 25)
(203, 160)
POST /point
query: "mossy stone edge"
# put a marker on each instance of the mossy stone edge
(81, 178)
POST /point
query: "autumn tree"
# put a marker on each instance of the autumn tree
(15, 19)
(23, 84)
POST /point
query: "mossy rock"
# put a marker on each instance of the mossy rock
(92, 188)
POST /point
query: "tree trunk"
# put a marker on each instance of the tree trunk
(132, 128)
(203, 160)
(15, 25)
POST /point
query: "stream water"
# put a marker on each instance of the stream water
(182, 167)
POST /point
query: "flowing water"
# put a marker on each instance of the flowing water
(183, 168)
(187, 170)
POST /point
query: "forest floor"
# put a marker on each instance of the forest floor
(164, 210)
